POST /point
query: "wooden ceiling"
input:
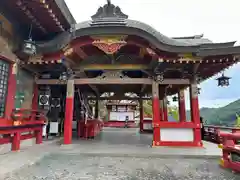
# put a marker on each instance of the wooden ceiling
(44, 16)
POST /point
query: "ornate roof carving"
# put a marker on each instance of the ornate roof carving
(109, 11)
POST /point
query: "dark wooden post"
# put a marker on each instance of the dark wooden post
(165, 109)
(35, 97)
(181, 106)
(69, 112)
(141, 114)
(97, 108)
(161, 109)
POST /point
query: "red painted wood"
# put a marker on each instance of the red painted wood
(196, 119)
(120, 124)
(6, 59)
(16, 141)
(176, 143)
(4, 140)
(229, 145)
(39, 137)
(27, 136)
(68, 120)
(156, 119)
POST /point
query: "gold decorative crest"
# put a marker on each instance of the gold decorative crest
(110, 44)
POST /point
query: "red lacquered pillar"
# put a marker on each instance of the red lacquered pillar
(195, 115)
(165, 109)
(69, 112)
(156, 113)
(181, 106)
(141, 115)
(12, 84)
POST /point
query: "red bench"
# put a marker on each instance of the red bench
(24, 124)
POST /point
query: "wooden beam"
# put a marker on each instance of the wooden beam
(112, 67)
(119, 98)
(104, 81)
(94, 88)
(80, 52)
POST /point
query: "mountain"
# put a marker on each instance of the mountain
(225, 116)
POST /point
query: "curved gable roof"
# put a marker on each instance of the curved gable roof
(109, 19)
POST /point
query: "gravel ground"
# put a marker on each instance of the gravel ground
(79, 167)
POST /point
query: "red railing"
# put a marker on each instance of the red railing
(120, 124)
(231, 150)
(24, 124)
(211, 133)
(90, 128)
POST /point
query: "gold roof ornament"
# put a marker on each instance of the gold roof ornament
(109, 44)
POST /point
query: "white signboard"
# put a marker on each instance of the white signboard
(121, 116)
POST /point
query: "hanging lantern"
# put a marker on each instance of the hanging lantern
(63, 76)
(29, 47)
(223, 80)
(174, 98)
(160, 78)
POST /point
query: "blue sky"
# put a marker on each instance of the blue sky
(218, 20)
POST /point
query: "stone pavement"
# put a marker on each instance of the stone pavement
(116, 154)
(28, 155)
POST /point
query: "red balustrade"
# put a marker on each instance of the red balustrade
(24, 124)
(231, 150)
(120, 124)
(90, 128)
(211, 133)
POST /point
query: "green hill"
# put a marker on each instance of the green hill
(225, 116)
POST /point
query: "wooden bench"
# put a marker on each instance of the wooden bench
(24, 124)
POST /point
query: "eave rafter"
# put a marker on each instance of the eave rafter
(50, 12)
(28, 13)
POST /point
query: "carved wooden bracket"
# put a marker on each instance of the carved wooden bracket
(112, 75)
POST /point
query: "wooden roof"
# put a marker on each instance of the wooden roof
(146, 50)
(48, 17)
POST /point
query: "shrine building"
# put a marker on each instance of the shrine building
(52, 64)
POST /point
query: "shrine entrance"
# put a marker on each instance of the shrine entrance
(113, 54)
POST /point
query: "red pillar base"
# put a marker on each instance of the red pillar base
(177, 144)
(16, 141)
(39, 138)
